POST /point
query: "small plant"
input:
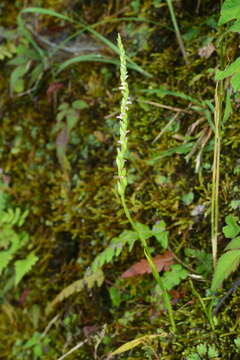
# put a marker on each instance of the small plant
(204, 352)
(28, 65)
(31, 349)
(67, 118)
(12, 241)
(230, 11)
(8, 48)
(230, 260)
(237, 344)
(122, 179)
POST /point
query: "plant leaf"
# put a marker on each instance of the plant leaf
(144, 231)
(162, 262)
(232, 229)
(234, 244)
(89, 279)
(22, 267)
(230, 10)
(173, 277)
(159, 232)
(226, 264)
(230, 70)
(132, 344)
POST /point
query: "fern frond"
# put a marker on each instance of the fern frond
(5, 258)
(7, 50)
(13, 217)
(114, 249)
(22, 267)
(89, 280)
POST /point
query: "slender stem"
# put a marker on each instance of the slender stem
(177, 31)
(122, 178)
(166, 298)
(215, 176)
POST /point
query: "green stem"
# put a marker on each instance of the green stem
(166, 298)
(215, 176)
(177, 31)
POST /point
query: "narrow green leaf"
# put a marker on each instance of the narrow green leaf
(228, 107)
(226, 264)
(132, 344)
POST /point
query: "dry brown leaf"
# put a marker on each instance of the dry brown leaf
(162, 262)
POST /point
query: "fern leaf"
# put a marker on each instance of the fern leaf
(77, 286)
(114, 248)
(227, 263)
(5, 258)
(22, 267)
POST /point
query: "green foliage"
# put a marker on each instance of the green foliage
(27, 61)
(12, 241)
(231, 11)
(232, 229)
(203, 260)
(31, 61)
(204, 352)
(174, 276)
(89, 280)
(8, 47)
(31, 349)
(237, 344)
(128, 238)
(230, 260)
(67, 118)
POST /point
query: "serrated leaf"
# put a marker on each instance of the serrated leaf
(5, 258)
(77, 286)
(234, 244)
(226, 264)
(232, 229)
(174, 276)
(128, 236)
(22, 267)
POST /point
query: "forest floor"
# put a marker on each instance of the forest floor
(83, 287)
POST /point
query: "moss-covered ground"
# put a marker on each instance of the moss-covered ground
(74, 210)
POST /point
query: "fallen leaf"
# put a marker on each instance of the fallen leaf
(162, 262)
